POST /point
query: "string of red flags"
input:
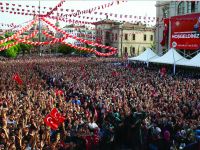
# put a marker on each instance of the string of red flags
(8, 46)
(77, 38)
(81, 12)
(55, 8)
(19, 32)
(82, 48)
(12, 25)
(73, 13)
(30, 35)
(24, 40)
(84, 19)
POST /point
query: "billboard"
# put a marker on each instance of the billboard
(185, 32)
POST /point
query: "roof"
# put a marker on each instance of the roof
(145, 56)
(74, 26)
(195, 61)
(105, 21)
(171, 57)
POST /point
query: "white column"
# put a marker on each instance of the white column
(185, 6)
(169, 33)
(198, 6)
(189, 6)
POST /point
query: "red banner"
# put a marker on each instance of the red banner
(185, 32)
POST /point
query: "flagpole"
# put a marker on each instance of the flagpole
(169, 45)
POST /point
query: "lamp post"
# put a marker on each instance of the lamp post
(121, 40)
(39, 31)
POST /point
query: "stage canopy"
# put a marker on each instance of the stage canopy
(171, 57)
(194, 62)
(147, 55)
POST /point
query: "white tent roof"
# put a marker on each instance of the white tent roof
(145, 56)
(195, 61)
(171, 57)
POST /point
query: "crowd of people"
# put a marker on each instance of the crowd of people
(107, 104)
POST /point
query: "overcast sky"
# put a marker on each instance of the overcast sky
(135, 8)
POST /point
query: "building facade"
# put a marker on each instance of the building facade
(128, 38)
(167, 9)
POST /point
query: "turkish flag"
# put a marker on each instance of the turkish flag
(17, 78)
(165, 31)
(51, 122)
(59, 92)
(57, 116)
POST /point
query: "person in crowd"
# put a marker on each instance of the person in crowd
(136, 108)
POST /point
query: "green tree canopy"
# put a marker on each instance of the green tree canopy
(12, 52)
(65, 49)
(8, 34)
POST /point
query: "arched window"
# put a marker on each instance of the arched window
(192, 6)
(165, 12)
(181, 8)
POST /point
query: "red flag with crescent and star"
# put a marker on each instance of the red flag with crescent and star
(51, 122)
(17, 78)
(54, 119)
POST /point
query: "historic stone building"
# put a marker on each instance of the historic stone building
(128, 38)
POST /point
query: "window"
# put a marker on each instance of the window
(126, 37)
(132, 51)
(115, 36)
(125, 49)
(133, 36)
(151, 37)
(107, 44)
(193, 6)
(145, 37)
(107, 35)
(165, 12)
(112, 37)
(181, 8)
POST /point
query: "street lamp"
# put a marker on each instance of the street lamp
(121, 35)
(39, 31)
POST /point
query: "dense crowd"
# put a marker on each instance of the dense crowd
(107, 103)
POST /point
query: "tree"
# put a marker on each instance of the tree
(65, 49)
(84, 52)
(1, 37)
(12, 52)
(25, 48)
(8, 34)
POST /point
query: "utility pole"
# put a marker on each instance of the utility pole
(39, 31)
(121, 40)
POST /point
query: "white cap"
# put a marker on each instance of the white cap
(158, 130)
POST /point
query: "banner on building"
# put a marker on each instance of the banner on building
(185, 32)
